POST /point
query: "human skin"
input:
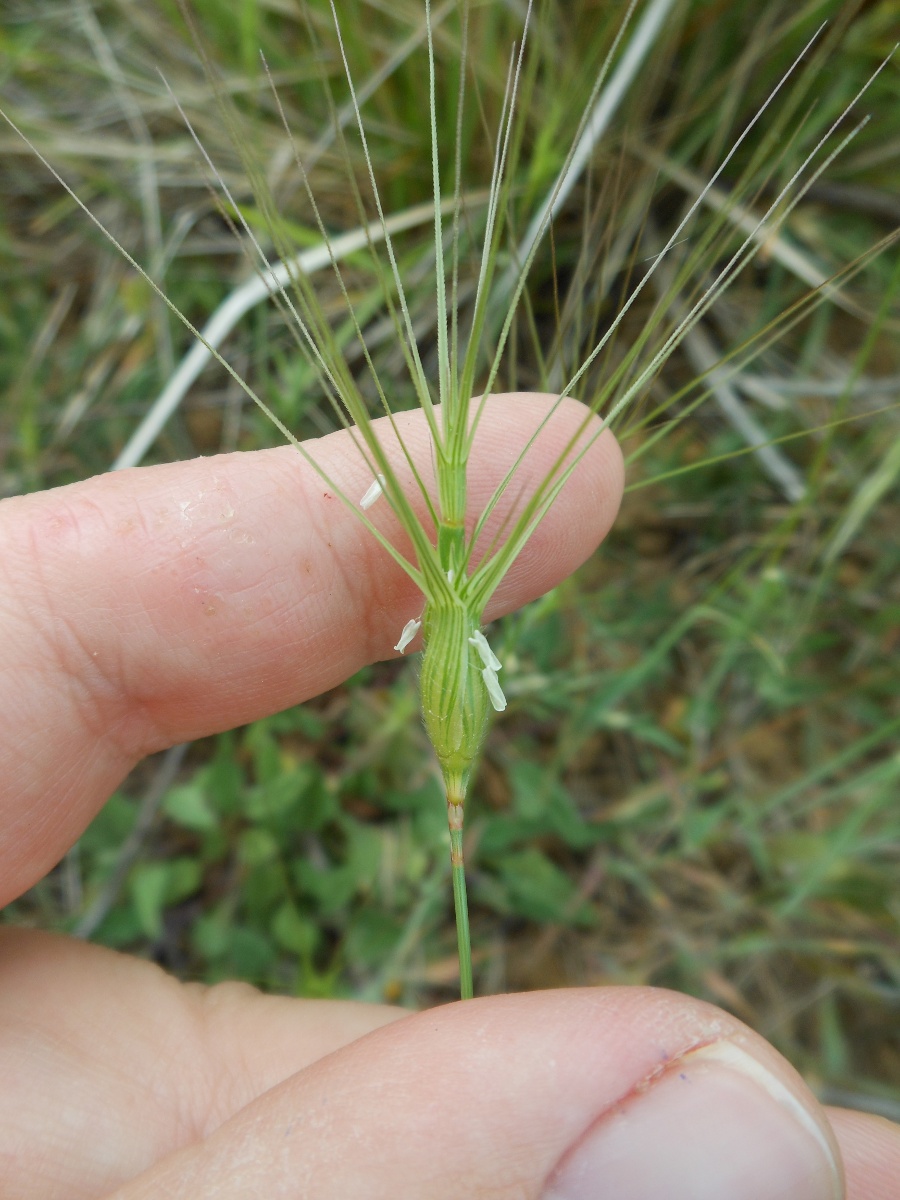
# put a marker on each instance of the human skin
(143, 609)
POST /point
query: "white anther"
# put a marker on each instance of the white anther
(375, 489)
(494, 690)
(485, 653)
(451, 575)
(410, 629)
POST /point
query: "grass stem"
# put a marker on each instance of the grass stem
(460, 902)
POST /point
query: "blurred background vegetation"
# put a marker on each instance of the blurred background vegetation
(695, 784)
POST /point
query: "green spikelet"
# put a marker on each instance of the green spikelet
(455, 701)
(459, 689)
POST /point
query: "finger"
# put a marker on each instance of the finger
(870, 1147)
(142, 1065)
(582, 1095)
(145, 608)
(107, 1064)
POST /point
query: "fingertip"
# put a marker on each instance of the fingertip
(666, 1096)
(870, 1148)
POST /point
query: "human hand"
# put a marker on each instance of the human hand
(147, 608)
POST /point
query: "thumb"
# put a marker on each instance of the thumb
(581, 1095)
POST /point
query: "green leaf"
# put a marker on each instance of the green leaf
(251, 955)
(224, 777)
(293, 931)
(188, 806)
(298, 799)
(262, 888)
(333, 887)
(371, 937)
(262, 744)
(157, 885)
(257, 847)
(536, 888)
(331, 890)
(211, 934)
(111, 825)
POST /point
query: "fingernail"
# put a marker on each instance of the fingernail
(716, 1125)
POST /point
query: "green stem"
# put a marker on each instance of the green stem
(460, 903)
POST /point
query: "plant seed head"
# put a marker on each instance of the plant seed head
(456, 702)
